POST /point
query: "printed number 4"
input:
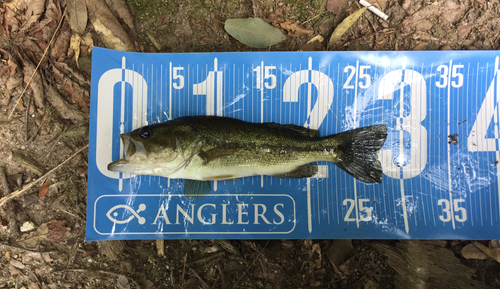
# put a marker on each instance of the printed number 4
(351, 205)
(446, 216)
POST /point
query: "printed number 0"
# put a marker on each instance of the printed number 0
(410, 123)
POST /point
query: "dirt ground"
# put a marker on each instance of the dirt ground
(44, 133)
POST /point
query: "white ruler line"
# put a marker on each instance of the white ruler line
(497, 95)
(433, 213)
(488, 162)
(170, 90)
(421, 186)
(355, 125)
(448, 145)
(309, 216)
(477, 141)
(401, 149)
(468, 130)
(336, 130)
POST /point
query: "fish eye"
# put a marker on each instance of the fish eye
(145, 132)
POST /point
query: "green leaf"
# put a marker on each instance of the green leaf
(253, 32)
(344, 26)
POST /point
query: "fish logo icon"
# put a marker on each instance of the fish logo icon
(112, 214)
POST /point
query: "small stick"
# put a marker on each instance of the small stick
(250, 266)
(184, 271)
(160, 248)
(205, 284)
(3, 181)
(39, 62)
(28, 164)
(204, 260)
(27, 187)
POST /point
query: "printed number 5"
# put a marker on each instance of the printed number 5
(446, 216)
(351, 203)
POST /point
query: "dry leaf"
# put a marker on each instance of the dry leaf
(420, 46)
(36, 83)
(34, 238)
(335, 6)
(77, 10)
(44, 189)
(57, 230)
(253, 32)
(7, 256)
(60, 47)
(344, 26)
(105, 23)
(494, 253)
(15, 5)
(74, 45)
(34, 12)
(472, 252)
(121, 9)
(294, 29)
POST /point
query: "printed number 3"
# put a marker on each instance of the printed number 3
(410, 123)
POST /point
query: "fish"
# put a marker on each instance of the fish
(201, 149)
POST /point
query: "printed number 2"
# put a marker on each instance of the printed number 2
(362, 75)
(446, 216)
(351, 205)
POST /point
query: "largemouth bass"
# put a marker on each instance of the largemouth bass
(207, 148)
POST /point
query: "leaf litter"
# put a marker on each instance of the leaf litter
(57, 217)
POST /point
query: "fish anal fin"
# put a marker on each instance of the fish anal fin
(304, 171)
(218, 152)
(196, 189)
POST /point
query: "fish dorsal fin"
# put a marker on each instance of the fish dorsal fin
(194, 189)
(218, 152)
(294, 129)
(305, 171)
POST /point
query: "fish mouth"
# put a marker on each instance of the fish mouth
(135, 153)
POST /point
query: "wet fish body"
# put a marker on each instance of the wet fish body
(207, 148)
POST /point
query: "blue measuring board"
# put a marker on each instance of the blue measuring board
(440, 160)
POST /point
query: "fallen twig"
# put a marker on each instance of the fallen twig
(205, 284)
(39, 62)
(103, 272)
(28, 164)
(249, 266)
(204, 260)
(27, 187)
(4, 183)
(388, 30)
(184, 272)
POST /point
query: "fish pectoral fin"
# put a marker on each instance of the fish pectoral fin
(218, 152)
(194, 189)
(305, 171)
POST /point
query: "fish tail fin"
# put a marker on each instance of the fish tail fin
(357, 150)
